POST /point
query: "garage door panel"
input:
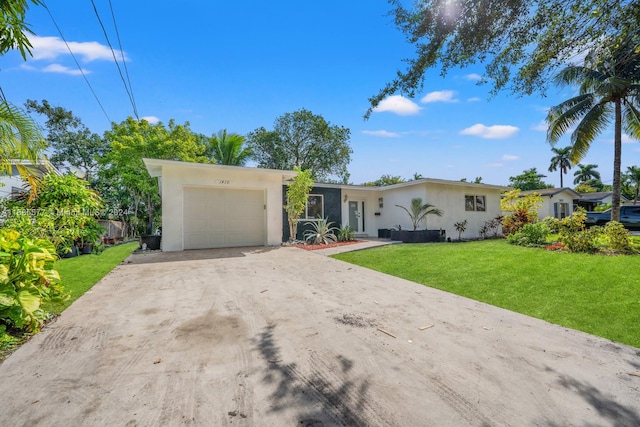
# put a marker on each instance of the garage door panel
(215, 218)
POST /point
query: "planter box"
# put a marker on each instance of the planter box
(418, 236)
(86, 249)
(384, 233)
(73, 253)
(153, 242)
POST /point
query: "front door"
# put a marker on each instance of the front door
(356, 215)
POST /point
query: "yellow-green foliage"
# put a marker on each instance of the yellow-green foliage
(523, 210)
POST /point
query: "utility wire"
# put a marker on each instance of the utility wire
(76, 61)
(124, 63)
(126, 88)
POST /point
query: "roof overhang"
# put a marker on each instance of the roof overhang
(155, 166)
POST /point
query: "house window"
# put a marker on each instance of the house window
(315, 207)
(561, 210)
(475, 203)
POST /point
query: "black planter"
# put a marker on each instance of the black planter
(153, 242)
(384, 233)
(71, 254)
(86, 249)
(419, 236)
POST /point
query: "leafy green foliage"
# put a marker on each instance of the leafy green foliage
(346, 234)
(574, 235)
(385, 180)
(418, 211)
(460, 227)
(523, 210)
(297, 195)
(14, 31)
(491, 227)
(27, 280)
(228, 149)
(531, 235)
(519, 42)
(609, 82)
(305, 140)
(617, 238)
(321, 233)
(530, 179)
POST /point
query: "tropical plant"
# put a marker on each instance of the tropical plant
(460, 227)
(529, 179)
(418, 211)
(633, 178)
(523, 210)
(385, 180)
(531, 235)
(346, 234)
(27, 280)
(320, 233)
(617, 238)
(297, 196)
(560, 162)
(586, 173)
(228, 149)
(491, 227)
(609, 83)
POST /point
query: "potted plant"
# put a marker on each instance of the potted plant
(89, 235)
(418, 212)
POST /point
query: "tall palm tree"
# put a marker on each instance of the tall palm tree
(633, 176)
(561, 161)
(609, 84)
(229, 149)
(586, 173)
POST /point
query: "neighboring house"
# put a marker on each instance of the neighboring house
(13, 184)
(210, 206)
(556, 202)
(590, 200)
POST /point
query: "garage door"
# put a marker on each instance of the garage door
(220, 218)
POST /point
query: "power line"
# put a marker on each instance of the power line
(76, 61)
(124, 63)
(126, 88)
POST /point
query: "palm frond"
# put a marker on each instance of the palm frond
(565, 115)
(594, 122)
(631, 120)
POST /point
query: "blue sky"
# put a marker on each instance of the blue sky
(240, 65)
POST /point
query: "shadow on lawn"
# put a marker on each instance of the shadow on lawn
(321, 397)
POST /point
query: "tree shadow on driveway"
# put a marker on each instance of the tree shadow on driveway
(321, 397)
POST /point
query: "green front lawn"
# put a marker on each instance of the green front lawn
(79, 274)
(592, 293)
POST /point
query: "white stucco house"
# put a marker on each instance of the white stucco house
(13, 183)
(556, 202)
(211, 206)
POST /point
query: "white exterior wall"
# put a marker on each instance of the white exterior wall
(547, 208)
(175, 178)
(391, 215)
(7, 182)
(370, 199)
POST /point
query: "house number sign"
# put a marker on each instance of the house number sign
(224, 181)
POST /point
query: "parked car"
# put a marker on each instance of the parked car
(629, 217)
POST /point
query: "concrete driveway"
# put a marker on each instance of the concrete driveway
(285, 337)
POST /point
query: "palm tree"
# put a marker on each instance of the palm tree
(609, 84)
(633, 176)
(560, 161)
(227, 149)
(586, 173)
(418, 211)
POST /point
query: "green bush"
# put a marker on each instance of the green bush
(617, 238)
(552, 223)
(27, 280)
(533, 235)
(346, 234)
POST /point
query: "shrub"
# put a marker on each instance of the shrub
(581, 240)
(552, 223)
(321, 233)
(617, 238)
(533, 235)
(27, 280)
(491, 227)
(460, 227)
(346, 234)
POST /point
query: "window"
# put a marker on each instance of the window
(315, 207)
(561, 210)
(475, 203)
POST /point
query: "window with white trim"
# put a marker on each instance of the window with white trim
(315, 207)
(475, 203)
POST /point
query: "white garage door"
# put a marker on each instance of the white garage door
(221, 217)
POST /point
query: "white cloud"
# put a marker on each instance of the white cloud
(53, 47)
(490, 132)
(509, 158)
(474, 99)
(151, 119)
(57, 68)
(381, 133)
(542, 126)
(626, 139)
(474, 77)
(398, 104)
(439, 96)
(494, 165)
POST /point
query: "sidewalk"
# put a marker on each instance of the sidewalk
(365, 243)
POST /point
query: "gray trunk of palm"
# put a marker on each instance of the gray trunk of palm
(617, 156)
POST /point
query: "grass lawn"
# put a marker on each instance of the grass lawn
(592, 293)
(79, 274)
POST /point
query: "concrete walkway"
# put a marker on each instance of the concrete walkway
(363, 243)
(286, 337)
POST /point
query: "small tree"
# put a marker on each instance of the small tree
(297, 195)
(418, 211)
(524, 210)
(460, 227)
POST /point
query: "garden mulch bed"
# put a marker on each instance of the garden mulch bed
(308, 247)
